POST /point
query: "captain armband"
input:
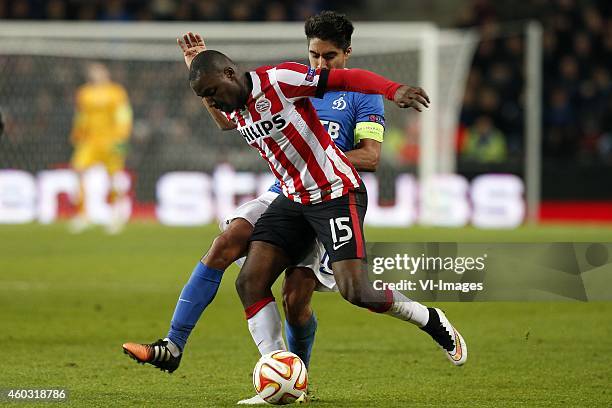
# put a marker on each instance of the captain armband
(369, 130)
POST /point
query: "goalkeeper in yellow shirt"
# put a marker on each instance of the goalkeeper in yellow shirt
(100, 133)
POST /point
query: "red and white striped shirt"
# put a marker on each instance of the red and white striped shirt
(281, 123)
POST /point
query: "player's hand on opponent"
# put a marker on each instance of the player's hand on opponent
(191, 44)
(411, 97)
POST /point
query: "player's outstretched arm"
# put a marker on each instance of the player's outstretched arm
(360, 80)
(411, 97)
(192, 44)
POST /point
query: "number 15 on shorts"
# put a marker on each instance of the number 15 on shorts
(341, 231)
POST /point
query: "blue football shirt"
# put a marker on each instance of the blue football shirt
(340, 112)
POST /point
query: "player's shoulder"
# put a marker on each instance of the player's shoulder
(83, 89)
(290, 68)
(294, 74)
(293, 66)
(263, 69)
(117, 91)
(85, 93)
(368, 103)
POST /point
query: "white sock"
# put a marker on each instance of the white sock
(266, 329)
(409, 310)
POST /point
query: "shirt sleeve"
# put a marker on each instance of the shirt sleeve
(359, 80)
(297, 81)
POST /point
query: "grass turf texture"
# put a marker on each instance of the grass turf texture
(67, 303)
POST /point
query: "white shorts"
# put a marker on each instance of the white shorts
(317, 260)
(251, 210)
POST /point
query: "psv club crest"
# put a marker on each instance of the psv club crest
(262, 105)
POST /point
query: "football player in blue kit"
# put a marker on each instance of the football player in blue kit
(355, 122)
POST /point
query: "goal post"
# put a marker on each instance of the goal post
(533, 122)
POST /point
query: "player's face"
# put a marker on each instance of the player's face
(222, 91)
(325, 54)
(97, 73)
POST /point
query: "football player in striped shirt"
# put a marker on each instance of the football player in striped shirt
(323, 196)
(274, 107)
(355, 122)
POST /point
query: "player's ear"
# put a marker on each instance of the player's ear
(348, 52)
(229, 72)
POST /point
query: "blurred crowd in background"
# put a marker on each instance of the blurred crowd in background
(577, 46)
(183, 10)
(577, 58)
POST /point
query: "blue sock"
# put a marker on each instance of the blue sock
(197, 294)
(301, 339)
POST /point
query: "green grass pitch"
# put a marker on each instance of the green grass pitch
(67, 303)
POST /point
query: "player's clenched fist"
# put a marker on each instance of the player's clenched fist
(411, 97)
(191, 44)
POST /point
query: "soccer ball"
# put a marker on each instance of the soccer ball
(280, 377)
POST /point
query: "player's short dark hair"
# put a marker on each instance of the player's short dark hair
(209, 62)
(330, 26)
(1, 124)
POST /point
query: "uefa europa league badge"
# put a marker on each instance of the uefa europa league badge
(262, 105)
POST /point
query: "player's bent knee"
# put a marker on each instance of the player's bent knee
(264, 263)
(221, 252)
(228, 246)
(241, 284)
(249, 284)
